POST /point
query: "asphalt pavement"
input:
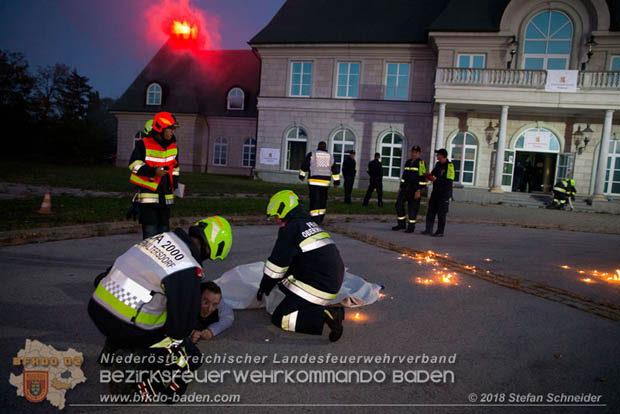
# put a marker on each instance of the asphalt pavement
(505, 342)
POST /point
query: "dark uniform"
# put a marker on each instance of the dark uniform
(309, 270)
(155, 195)
(348, 172)
(562, 191)
(320, 167)
(440, 197)
(142, 306)
(411, 181)
(375, 171)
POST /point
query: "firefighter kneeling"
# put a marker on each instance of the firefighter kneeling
(146, 305)
(563, 191)
(307, 266)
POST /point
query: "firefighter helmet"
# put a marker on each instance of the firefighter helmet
(164, 120)
(148, 126)
(214, 232)
(282, 203)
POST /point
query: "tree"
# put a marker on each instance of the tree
(15, 87)
(49, 81)
(73, 97)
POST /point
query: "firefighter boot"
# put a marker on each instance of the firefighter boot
(399, 226)
(410, 228)
(333, 319)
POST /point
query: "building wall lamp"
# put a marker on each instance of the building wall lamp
(580, 137)
(489, 133)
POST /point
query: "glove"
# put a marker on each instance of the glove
(266, 284)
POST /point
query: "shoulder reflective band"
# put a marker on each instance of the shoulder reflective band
(450, 173)
(290, 321)
(274, 271)
(307, 292)
(318, 182)
(316, 241)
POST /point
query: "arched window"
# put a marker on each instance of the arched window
(344, 141)
(391, 154)
(220, 151)
(235, 100)
(249, 152)
(296, 140)
(153, 94)
(548, 40)
(537, 140)
(463, 149)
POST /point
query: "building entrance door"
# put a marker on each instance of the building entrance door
(534, 171)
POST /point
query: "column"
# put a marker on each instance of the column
(599, 185)
(501, 145)
(439, 133)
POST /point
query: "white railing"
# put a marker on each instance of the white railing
(520, 78)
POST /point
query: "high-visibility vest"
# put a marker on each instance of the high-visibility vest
(156, 156)
(133, 291)
(321, 168)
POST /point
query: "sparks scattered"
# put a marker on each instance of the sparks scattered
(581, 272)
(424, 281)
(358, 317)
(488, 260)
(565, 267)
(587, 280)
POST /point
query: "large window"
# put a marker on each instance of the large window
(470, 62)
(348, 80)
(612, 174)
(220, 151)
(301, 79)
(153, 94)
(548, 39)
(463, 155)
(397, 81)
(614, 65)
(344, 141)
(235, 100)
(296, 140)
(249, 152)
(391, 154)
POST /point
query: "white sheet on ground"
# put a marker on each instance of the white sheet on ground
(240, 284)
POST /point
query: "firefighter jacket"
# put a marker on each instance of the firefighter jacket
(320, 167)
(305, 260)
(442, 186)
(413, 175)
(566, 187)
(152, 290)
(375, 170)
(149, 154)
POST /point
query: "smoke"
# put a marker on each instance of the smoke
(161, 17)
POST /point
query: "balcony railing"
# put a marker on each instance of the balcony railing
(520, 78)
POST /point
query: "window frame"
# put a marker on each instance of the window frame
(252, 148)
(301, 83)
(222, 143)
(392, 146)
(385, 81)
(344, 142)
(464, 147)
(228, 96)
(288, 139)
(612, 58)
(547, 39)
(159, 93)
(337, 79)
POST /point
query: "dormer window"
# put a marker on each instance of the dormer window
(153, 94)
(235, 99)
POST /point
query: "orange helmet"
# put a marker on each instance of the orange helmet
(164, 120)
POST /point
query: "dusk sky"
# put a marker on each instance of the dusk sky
(111, 41)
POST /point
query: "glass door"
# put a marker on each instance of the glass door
(508, 169)
(565, 167)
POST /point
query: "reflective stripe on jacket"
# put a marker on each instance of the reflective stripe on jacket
(156, 156)
(133, 290)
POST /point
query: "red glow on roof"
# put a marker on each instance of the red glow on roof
(186, 26)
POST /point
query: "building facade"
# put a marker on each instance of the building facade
(532, 83)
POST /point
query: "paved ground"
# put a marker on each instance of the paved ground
(505, 341)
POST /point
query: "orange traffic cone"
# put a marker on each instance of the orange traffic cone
(46, 205)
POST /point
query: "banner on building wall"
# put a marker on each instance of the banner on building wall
(536, 140)
(269, 156)
(561, 81)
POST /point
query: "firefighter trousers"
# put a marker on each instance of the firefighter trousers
(437, 206)
(318, 202)
(296, 314)
(407, 195)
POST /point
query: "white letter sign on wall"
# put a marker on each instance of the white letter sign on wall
(270, 156)
(561, 81)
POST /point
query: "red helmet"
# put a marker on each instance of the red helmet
(164, 120)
